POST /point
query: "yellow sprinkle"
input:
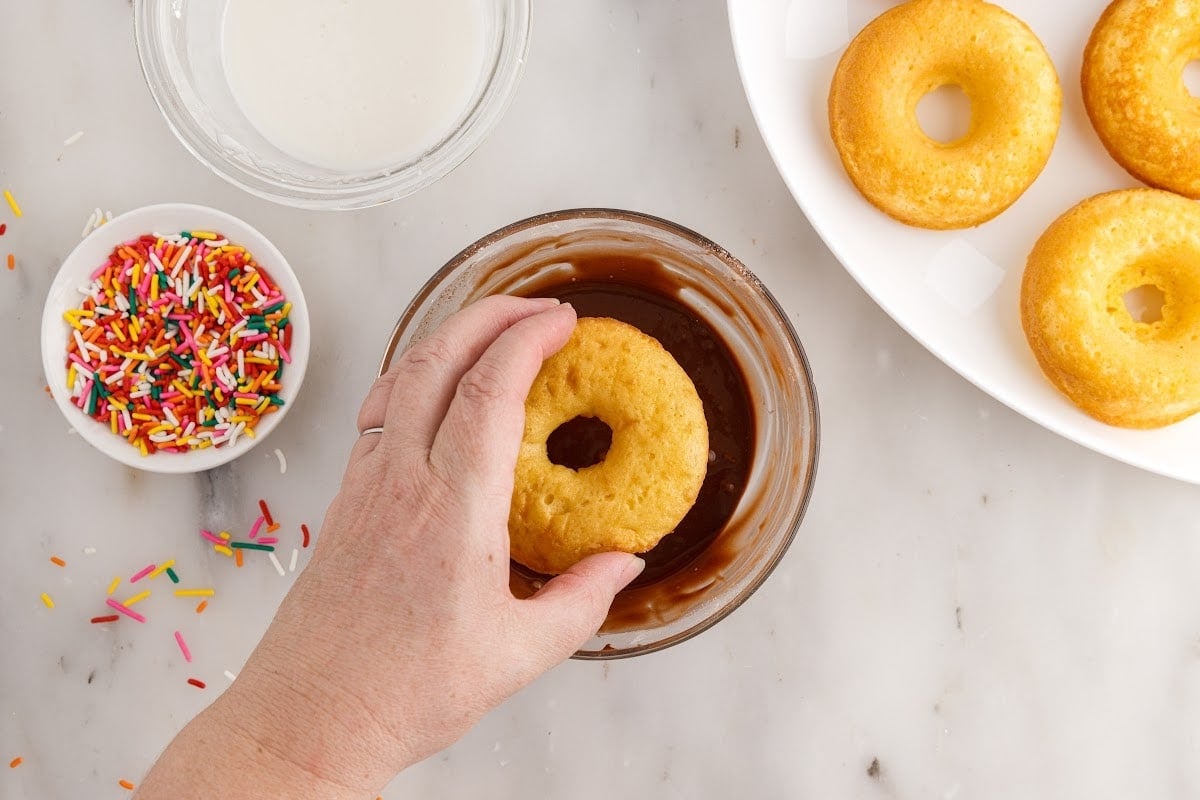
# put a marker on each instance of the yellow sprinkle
(45, 597)
(153, 291)
(198, 592)
(249, 432)
(166, 426)
(112, 587)
(220, 548)
(71, 376)
(135, 356)
(143, 417)
(112, 419)
(142, 447)
(205, 443)
(137, 598)
(203, 235)
(161, 568)
(116, 328)
(16, 209)
(226, 535)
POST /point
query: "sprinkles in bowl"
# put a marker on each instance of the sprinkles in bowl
(179, 344)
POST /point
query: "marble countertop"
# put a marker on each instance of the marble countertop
(974, 607)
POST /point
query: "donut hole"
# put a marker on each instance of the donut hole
(579, 443)
(1191, 77)
(944, 114)
(1145, 303)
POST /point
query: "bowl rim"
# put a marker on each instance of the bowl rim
(775, 309)
(430, 166)
(74, 270)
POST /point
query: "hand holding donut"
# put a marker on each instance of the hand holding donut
(402, 631)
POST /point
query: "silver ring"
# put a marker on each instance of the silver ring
(371, 430)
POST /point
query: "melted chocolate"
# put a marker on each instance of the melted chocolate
(638, 291)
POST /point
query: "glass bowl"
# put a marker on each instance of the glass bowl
(178, 43)
(721, 291)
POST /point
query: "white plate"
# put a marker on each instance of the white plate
(956, 292)
(91, 252)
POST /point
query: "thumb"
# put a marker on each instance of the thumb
(571, 607)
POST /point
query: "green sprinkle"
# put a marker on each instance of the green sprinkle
(266, 548)
(178, 360)
(283, 323)
(132, 299)
(186, 234)
(171, 574)
(276, 400)
(271, 309)
(233, 273)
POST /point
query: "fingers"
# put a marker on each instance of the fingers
(571, 607)
(421, 383)
(481, 432)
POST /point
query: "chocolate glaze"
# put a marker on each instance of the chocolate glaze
(640, 292)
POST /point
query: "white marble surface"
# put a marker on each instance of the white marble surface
(974, 608)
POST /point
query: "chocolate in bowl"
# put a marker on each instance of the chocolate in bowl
(730, 335)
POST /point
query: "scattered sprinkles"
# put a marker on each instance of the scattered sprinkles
(137, 598)
(275, 563)
(171, 574)
(199, 684)
(141, 573)
(112, 587)
(266, 513)
(161, 568)
(58, 561)
(258, 523)
(129, 612)
(304, 531)
(12, 262)
(200, 608)
(179, 344)
(194, 592)
(183, 648)
(73, 138)
(230, 675)
(12, 203)
(49, 603)
(124, 784)
(295, 557)
(16, 762)
(282, 461)
(105, 618)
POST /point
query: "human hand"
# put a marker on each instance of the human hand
(402, 631)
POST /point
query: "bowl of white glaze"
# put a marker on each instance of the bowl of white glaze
(332, 105)
(73, 279)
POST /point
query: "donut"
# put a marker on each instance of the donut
(1135, 95)
(654, 467)
(922, 45)
(1118, 369)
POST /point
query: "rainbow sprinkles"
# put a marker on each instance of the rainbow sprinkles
(179, 344)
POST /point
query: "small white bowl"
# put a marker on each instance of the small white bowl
(91, 252)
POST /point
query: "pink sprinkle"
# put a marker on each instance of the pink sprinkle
(283, 353)
(99, 271)
(187, 654)
(268, 540)
(258, 337)
(126, 610)
(137, 576)
(257, 526)
(214, 539)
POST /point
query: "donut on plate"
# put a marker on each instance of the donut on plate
(909, 51)
(1122, 370)
(653, 470)
(1135, 95)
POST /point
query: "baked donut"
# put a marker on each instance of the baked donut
(1118, 369)
(907, 52)
(1134, 91)
(654, 467)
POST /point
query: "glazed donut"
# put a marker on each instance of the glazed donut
(1118, 369)
(1135, 95)
(654, 467)
(919, 46)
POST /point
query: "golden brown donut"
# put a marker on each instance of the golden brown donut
(1134, 91)
(654, 468)
(919, 46)
(1117, 369)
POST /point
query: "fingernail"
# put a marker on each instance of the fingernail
(548, 302)
(632, 569)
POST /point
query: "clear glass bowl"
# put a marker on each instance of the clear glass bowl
(726, 295)
(178, 42)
